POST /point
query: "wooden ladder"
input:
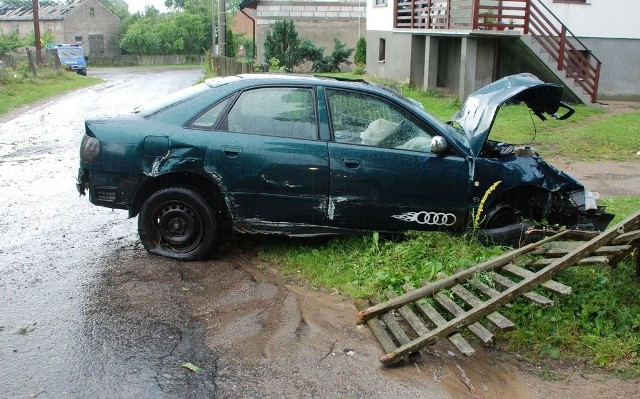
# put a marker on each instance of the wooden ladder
(406, 323)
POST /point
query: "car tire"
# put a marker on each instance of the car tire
(178, 223)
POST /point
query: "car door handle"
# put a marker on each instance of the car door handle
(351, 163)
(231, 151)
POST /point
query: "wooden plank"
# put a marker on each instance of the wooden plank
(381, 334)
(411, 318)
(550, 285)
(524, 286)
(456, 338)
(430, 289)
(591, 260)
(496, 318)
(559, 251)
(534, 297)
(476, 328)
(626, 237)
(484, 288)
(394, 328)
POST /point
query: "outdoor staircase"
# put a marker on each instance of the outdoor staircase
(546, 37)
(570, 81)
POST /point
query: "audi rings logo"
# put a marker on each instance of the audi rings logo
(428, 218)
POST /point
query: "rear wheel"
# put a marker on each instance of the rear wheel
(178, 223)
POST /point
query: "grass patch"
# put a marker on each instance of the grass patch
(18, 88)
(598, 324)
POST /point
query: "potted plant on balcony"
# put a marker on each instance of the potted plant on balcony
(488, 19)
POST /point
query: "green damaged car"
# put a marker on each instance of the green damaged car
(309, 156)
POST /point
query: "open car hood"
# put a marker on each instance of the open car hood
(478, 113)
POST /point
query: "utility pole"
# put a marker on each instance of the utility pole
(214, 6)
(222, 29)
(36, 31)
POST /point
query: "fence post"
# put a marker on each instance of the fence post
(32, 63)
(527, 16)
(563, 44)
(594, 97)
(476, 13)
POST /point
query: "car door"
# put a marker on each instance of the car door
(267, 157)
(383, 175)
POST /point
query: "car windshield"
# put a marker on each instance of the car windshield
(458, 134)
(70, 53)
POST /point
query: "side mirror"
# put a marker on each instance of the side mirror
(86, 58)
(438, 144)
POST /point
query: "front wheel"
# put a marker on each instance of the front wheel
(178, 223)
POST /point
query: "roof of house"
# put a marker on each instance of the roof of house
(49, 12)
(248, 4)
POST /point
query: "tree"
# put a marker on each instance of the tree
(322, 63)
(9, 42)
(141, 39)
(118, 7)
(282, 43)
(45, 37)
(232, 44)
(360, 57)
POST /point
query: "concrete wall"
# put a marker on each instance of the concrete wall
(88, 18)
(25, 28)
(600, 19)
(458, 64)
(619, 74)
(397, 60)
(318, 22)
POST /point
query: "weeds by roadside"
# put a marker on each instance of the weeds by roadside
(18, 87)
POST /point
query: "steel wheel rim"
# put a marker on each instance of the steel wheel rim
(178, 226)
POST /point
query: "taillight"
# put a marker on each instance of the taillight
(90, 149)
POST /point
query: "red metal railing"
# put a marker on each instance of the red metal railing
(529, 17)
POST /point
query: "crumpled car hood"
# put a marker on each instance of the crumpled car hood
(478, 113)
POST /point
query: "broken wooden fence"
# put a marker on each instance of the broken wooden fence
(406, 323)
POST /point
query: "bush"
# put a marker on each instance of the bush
(282, 43)
(360, 57)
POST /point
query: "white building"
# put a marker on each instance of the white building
(461, 45)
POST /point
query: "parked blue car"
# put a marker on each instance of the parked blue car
(309, 156)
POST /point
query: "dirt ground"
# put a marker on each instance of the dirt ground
(283, 340)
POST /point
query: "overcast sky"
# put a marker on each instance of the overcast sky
(138, 5)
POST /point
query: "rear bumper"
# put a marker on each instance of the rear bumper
(106, 189)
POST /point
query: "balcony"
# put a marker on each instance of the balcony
(531, 18)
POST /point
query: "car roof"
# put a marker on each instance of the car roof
(250, 79)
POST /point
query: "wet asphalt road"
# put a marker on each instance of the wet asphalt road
(65, 330)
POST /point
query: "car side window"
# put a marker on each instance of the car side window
(274, 111)
(209, 118)
(363, 119)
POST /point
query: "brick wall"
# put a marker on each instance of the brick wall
(318, 21)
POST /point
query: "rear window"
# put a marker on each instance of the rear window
(181, 95)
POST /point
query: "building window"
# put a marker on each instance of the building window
(379, 3)
(78, 39)
(382, 50)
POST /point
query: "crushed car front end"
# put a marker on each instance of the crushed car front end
(523, 187)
